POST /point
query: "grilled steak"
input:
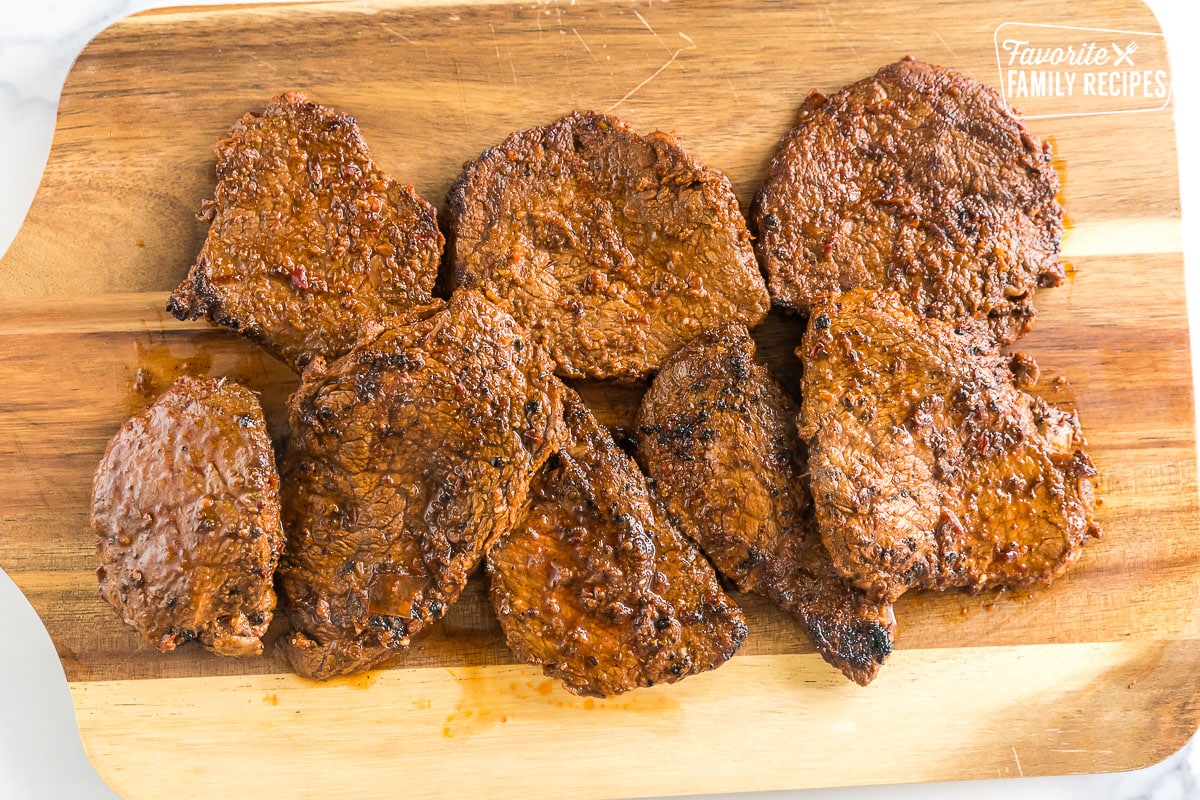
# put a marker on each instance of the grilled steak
(596, 585)
(185, 507)
(930, 467)
(407, 457)
(919, 180)
(717, 435)
(613, 248)
(309, 240)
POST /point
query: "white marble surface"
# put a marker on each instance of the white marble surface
(41, 757)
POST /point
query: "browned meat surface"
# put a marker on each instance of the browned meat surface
(309, 240)
(717, 435)
(596, 585)
(930, 467)
(407, 457)
(612, 248)
(919, 180)
(185, 507)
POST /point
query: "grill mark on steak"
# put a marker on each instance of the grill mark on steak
(717, 435)
(309, 240)
(185, 509)
(597, 586)
(613, 248)
(930, 468)
(920, 180)
(407, 457)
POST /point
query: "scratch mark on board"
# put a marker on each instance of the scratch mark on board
(585, 45)
(496, 44)
(1017, 758)
(397, 33)
(41, 484)
(690, 46)
(953, 52)
(462, 95)
(828, 22)
(647, 24)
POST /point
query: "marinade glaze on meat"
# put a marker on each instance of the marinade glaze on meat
(309, 240)
(407, 457)
(911, 215)
(717, 435)
(930, 467)
(612, 248)
(596, 585)
(920, 180)
(185, 509)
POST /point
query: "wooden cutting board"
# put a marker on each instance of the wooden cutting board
(1096, 673)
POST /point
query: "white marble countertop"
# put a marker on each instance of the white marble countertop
(41, 757)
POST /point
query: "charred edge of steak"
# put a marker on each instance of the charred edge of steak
(857, 650)
(195, 297)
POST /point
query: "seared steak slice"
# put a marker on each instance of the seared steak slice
(407, 457)
(717, 435)
(919, 180)
(185, 507)
(309, 240)
(613, 248)
(596, 585)
(930, 467)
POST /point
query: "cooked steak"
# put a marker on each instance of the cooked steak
(309, 240)
(185, 507)
(613, 248)
(919, 180)
(408, 455)
(930, 467)
(717, 435)
(594, 583)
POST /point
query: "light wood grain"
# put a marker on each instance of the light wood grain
(1094, 673)
(761, 722)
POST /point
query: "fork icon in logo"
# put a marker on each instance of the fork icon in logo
(1124, 56)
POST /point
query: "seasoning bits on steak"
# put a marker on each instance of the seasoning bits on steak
(309, 241)
(408, 457)
(919, 180)
(612, 248)
(931, 467)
